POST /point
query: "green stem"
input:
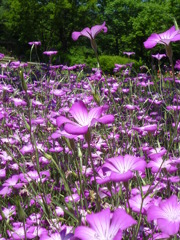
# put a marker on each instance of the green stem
(94, 172)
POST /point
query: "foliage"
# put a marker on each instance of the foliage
(52, 22)
(108, 62)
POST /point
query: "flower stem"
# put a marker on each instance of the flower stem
(88, 139)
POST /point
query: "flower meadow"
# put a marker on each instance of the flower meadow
(88, 155)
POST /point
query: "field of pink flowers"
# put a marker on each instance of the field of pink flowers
(90, 156)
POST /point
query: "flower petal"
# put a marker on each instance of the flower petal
(117, 177)
(75, 129)
(118, 235)
(76, 35)
(61, 120)
(154, 212)
(94, 113)
(168, 34)
(86, 32)
(106, 119)
(97, 29)
(80, 113)
(168, 227)
(100, 222)
(152, 41)
(120, 220)
(85, 233)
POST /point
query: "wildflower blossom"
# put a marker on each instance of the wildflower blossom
(90, 33)
(102, 226)
(171, 35)
(122, 167)
(167, 215)
(84, 120)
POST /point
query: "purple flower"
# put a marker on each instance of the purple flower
(36, 43)
(122, 167)
(18, 232)
(103, 226)
(57, 236)
(84, 119)
(18, 102)
(8, 212)
(1, 56)
(159, 56)
(2, 173)
(173, 108)
(148, 128)
(49, 53)
(158, 163)
(90, 33)
(171, 35)
(12, 181)
(167, 215)
(177, 65)
(135, 203)
(129, 53)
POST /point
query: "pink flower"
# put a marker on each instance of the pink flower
(171, 35)
(129, 53)
(36, 43)
(158, 163)
(18, 102)
(148, 128)
(159, 56)
(49, 53)
(167, 215)
(103, 226)
(135, 203)
(84, 119)
(63, 235)
(90, 33)
(12, 181)
(177, 65)
(1, 56)
(122, 167)
(173, 108)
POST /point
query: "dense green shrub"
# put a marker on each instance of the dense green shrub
(108, 62)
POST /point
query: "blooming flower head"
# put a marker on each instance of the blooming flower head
(159, 56)
(171, 35)
(1, 56)
(84, 119)
(90, 33)
(36, 43)
(150, 128)
(177, 65)
(158, 163)
(57, 236)
(136, 201)
(49, 53)
(128, 53)
(105, 227)
(122, 167)
(167, 215)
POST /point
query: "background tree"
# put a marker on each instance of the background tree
(52, 22)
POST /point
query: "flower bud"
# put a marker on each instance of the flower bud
(21, 213)
(24, 85)
(26, 124)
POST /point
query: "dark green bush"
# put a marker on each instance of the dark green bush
(108, 62)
